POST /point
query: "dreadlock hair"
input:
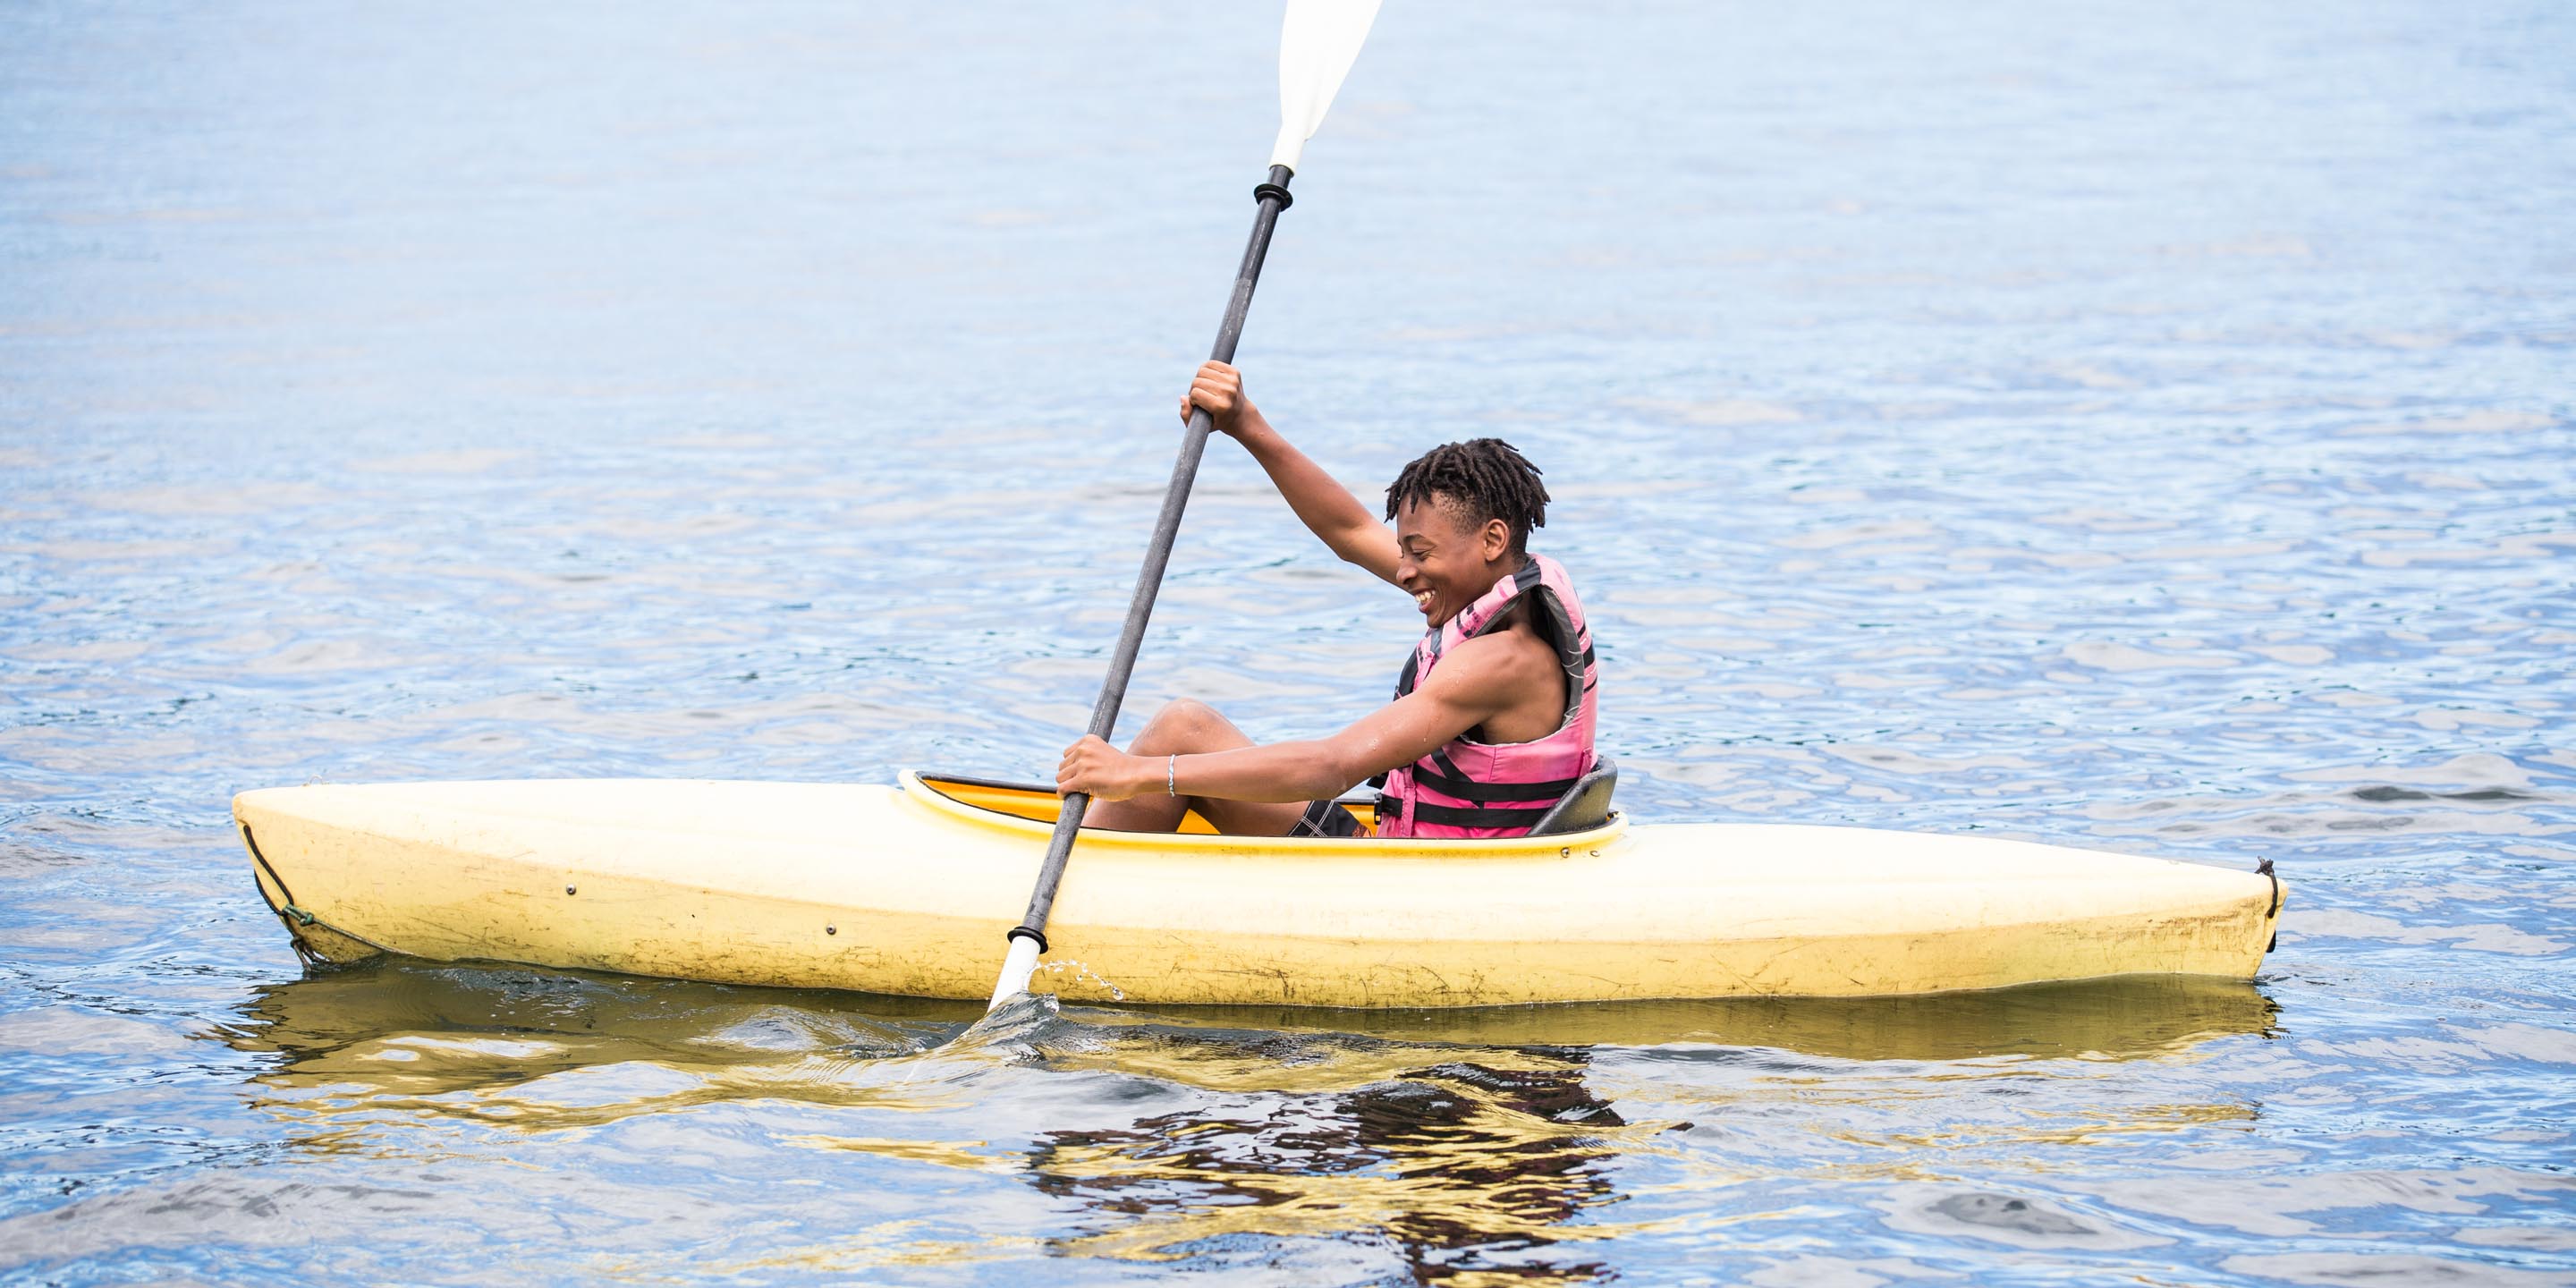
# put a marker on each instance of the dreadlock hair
(1482, 479)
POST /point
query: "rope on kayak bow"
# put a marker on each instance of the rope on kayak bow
(287, 911)
(2263, 868)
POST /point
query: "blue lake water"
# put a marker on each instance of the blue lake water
(2143, 430)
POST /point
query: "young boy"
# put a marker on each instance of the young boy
(1492, 719)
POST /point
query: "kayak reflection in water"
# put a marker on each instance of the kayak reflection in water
(1493, 716)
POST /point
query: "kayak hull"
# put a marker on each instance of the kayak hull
(909, 890)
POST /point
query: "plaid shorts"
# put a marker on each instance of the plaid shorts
(1327, 818)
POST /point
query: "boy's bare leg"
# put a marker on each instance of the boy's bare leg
(1187, 727)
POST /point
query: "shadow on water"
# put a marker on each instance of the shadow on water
(2126, 1018)
(578, 1017)
(456, 1026)
(1463, 1145)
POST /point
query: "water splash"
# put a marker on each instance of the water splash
(1083, 974)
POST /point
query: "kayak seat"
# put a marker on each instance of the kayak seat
(1584, 806)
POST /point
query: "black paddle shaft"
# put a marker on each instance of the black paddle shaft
(1273, 198)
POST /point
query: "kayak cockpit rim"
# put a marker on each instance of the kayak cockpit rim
(1031, 808)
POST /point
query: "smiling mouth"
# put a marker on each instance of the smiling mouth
(1422, 600)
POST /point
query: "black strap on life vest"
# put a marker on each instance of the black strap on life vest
(1480, 816)
(1438, 772)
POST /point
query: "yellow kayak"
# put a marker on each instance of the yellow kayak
(908, 890)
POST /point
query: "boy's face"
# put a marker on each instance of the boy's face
(1445, 558)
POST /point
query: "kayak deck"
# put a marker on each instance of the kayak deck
(1040, 804)
(908, 890)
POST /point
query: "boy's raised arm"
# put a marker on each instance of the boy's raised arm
(1326, 507)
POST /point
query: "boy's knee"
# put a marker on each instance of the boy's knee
(1189, 711)
(1181, 724)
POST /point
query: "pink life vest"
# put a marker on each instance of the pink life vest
(1466, 789)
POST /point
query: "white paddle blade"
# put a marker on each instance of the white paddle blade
(1017, 966)
(1317, 44)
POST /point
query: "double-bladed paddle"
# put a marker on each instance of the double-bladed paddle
(1317, 44)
